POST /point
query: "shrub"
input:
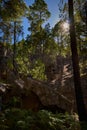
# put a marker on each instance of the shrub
(17, 119)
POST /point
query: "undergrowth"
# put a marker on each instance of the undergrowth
(17, 119)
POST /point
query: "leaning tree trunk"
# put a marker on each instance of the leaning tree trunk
(75, 60)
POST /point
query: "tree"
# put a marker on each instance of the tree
(38, 14)
(75, 60)
(82, 10)
(80, 25)
(60, 35)
(17, 31)
(11, 9)
(10, 13)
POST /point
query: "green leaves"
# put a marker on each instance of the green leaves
(15, 119)
(12, 9)
(38, 71)
(38, 14)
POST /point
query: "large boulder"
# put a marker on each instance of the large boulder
(34, 94)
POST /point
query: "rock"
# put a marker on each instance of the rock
(47, 94)
(36, 95)
(30, 101)
(57, 94)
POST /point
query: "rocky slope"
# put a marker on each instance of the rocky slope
(56, 94)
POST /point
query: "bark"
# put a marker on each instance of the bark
(14, 47)
(76, 71)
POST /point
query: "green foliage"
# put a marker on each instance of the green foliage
(32, 54)
(29, 63)
(16, 119)
(38, 14)
(61, 36)
(83, 125)
(12, 9)
(38, 70)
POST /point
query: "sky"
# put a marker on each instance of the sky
(52, 7)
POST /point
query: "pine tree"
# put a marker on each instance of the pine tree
(75, 60)
(38, 14)
(10, 12)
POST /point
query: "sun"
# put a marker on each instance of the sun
(66, 26)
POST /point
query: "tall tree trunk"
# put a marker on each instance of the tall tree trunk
(86, 12)
(1, 59)
(75, 60)
(14, 47)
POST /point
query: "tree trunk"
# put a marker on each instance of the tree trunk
(75, 60)
(86, 12)
(14, 47)
(1, 59)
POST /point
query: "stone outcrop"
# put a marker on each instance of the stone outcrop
(48, 94)
(55, 94)
(35, 95)
(60, 75)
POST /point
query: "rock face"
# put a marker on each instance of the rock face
(60, 75)
(48, 95)
(17, 96)
(37, 95)
(57, 94)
